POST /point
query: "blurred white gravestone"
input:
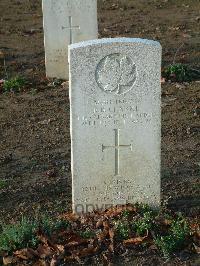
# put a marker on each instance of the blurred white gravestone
(115, 122)
(66, 22)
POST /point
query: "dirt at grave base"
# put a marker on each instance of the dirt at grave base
(34, 125)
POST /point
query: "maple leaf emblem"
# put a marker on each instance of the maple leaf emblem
(116, 74)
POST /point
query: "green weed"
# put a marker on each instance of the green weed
(122, 230)
(61, 225)
(125, 214)
(180, 73)
(143, 224)
(24, 233)
(18, 236)
(48, 226)
(14, 84)
(87, 234)
(175, 239)
(3, 184)
(34, 91)
(143, 208)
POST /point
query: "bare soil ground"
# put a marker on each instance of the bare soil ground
(34, 124)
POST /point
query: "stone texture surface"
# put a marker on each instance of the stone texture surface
(59, 17)
(115, 122)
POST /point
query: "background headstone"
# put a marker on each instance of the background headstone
(115, 122)
(66, 22)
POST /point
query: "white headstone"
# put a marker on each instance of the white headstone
(66, 22)
(115, 122)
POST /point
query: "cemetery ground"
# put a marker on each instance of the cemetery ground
(35, 173)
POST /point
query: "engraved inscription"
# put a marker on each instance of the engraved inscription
(121, 189)
(116, 74)
(114, 113)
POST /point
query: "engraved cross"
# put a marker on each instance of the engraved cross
(117, 148)
(71, 28)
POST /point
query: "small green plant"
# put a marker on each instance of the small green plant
(48, 226)
(24, 233)
(14, 84)
(34, 91)
(18, 236)
(87, 234)
(180, 73)
(143, 224)
(61, 225)
(125, 214)
(122, 230)
(3, 184)
(176, 238)
(142, 208)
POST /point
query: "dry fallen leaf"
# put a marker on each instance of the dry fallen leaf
(134, 241)
(87, 252)
(26, 253)
(46, 241)
(115, 211)
(111, 247)
(44, 251)
(60, 248)
(102, 235)
(186, 35)
(111, 234)
(75, 240)
(9, 260)
(163, 80)
(106, 225)
(54, 261)
(197, 248)
(65, 84)
(99, 223)
(41, 263)
(164, 221)
(73, 217)
(107, 258)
